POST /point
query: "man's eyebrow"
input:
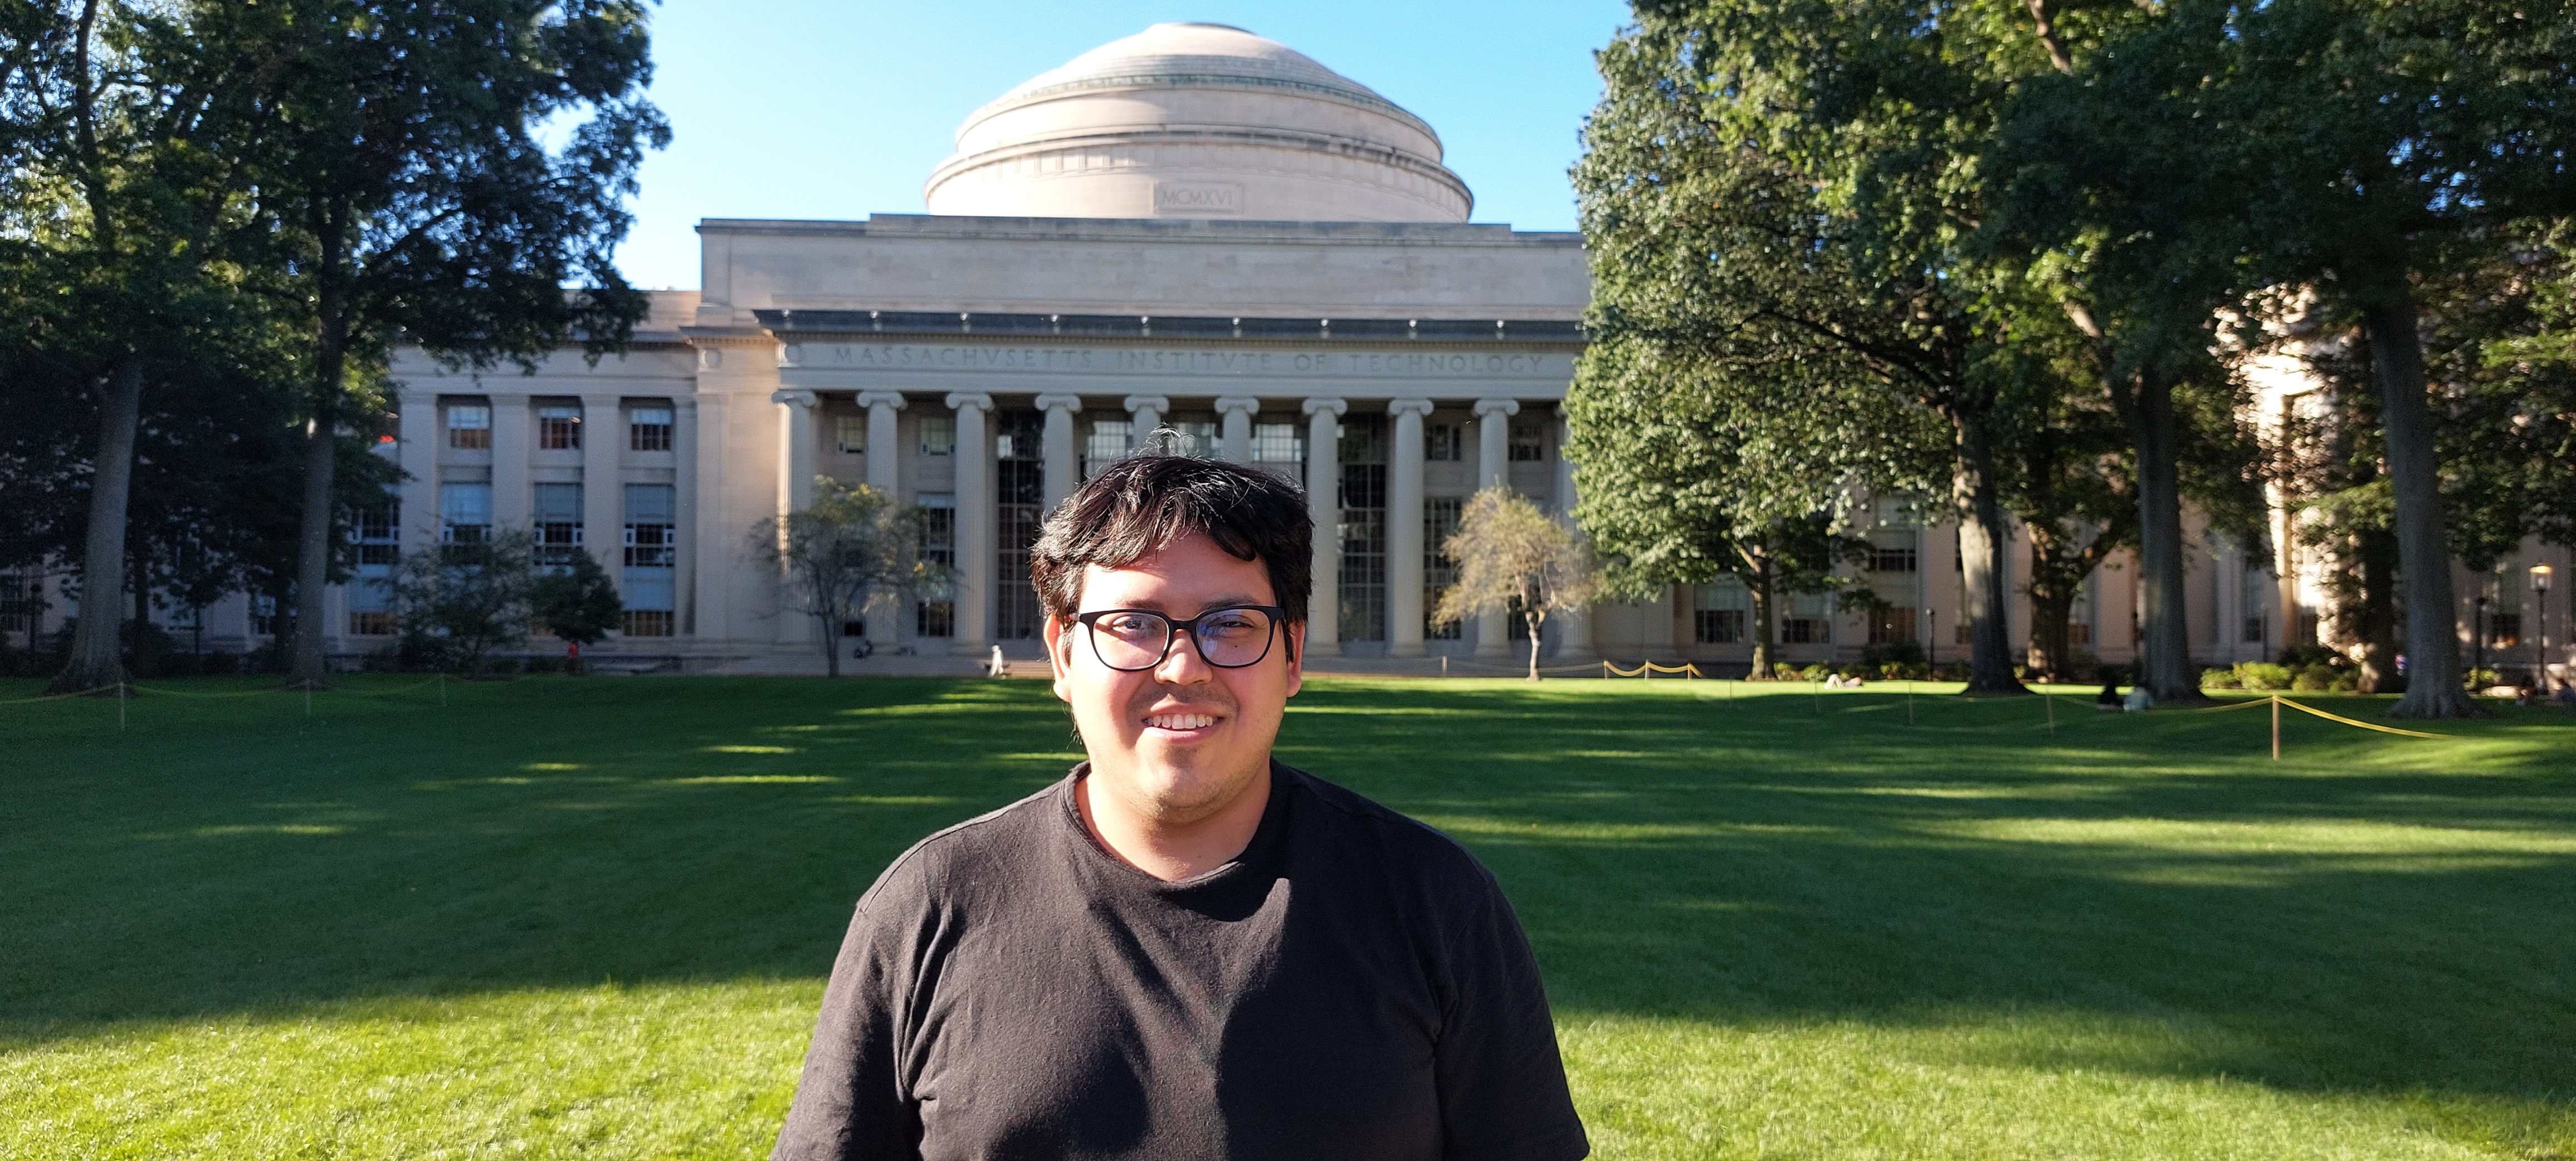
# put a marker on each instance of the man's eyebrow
(1227, 601)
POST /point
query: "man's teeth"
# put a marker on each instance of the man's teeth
(1180, 721)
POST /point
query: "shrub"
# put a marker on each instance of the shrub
(2314, 678)
(1783, 671)
(1956, 671)
(2298, 657)
(2345, 681)
(2219, 679)
(2263, 675)
(2484, 679)
(1881, 657)
(1815, 672)
(543, 664)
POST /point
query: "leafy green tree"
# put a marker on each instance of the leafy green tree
(468, 601)
(578, 605)
(1512, 558)
(1727, 218)
(852, 547)
(127, 133)
(2353, 148)
(443, 174)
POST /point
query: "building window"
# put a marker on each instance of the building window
(648, 429)
(650, 623)
(1810, 620)
(937, 618)
(1718, 610)
(1197, 431)
(850, 434)
(373, 530)
(263, 615)
(370, 622)
(2504, 630)
(464, 513)
(1362, 528)
(1278, 443)
(1105, 443)
(559, 427)
(469, 426)
(652, 531)
(1892, 558)
(938, 435)
(21, 600)
(1439, 570)
(1892, 625)
(1529, 443)
(558, 524)
(1441, 442)
(2081, 633)
(1019, 507)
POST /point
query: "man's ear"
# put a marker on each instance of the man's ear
(1060, 636)
(1296, 657)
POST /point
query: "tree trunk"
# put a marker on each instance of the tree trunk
(2051, 652)
(830, 631)
(96, 660)
(1983, 540)
(311, 668)
(2423, 553)
(2377, 625)
(1758, 583)
(2164, 653)
(1535, 620)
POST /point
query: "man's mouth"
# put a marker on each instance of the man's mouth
(1180, 721)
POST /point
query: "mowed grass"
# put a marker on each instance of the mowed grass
(591, 917)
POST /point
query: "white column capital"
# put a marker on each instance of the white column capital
(797, 396)
(1058, 401)
(1336, 406)
(1485, 407)
(1155, 403)
(961, 400)
(893, 399)
(1402, 407)
(1229, 404)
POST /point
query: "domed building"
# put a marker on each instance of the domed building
(1193, 228)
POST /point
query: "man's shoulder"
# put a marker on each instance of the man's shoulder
(969, 852)
(1409, 841)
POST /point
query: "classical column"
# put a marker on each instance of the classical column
(1494, 440)
(512, 502)
(1063, 460)
(796, 447)
(421, 439)
(603, 491)
(1574, 626)
(1324, 505)
(714, 540)
(1148, 412)
(884, 450)
(684, 515)
(1238, 411)
(795, 490)
(1404, 530)
(884, 617)
(975, 561)
(1493, 468)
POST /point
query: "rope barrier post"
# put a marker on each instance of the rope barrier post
(2052, 712)
(1909, 701)
(1816, 694)
(2276, 727)
(120, 706)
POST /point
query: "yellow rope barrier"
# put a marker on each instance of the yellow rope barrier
(2349, 722)
(57, 696)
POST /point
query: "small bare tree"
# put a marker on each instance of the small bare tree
(1513, 558)
(852, 548)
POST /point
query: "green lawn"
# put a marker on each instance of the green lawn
(590, 917)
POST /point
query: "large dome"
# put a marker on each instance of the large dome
(1197, 121)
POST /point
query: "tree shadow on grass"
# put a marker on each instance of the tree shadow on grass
(2366, 917)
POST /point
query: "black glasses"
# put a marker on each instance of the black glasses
(1132, 640)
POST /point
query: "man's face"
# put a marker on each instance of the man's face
(1181, 741)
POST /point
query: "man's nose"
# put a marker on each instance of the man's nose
(1182, 664)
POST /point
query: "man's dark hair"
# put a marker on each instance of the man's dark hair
(1150, 499)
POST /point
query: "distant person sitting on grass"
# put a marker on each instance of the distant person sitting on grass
(2108, 701)
(1183, 949)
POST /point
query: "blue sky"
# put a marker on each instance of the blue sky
(809, 109)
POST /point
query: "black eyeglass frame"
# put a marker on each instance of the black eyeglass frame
(1278, 620)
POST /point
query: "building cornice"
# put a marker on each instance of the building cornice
(860, 325)
(1223, 231)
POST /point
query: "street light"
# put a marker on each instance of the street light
(2478, 623)
(2540, 592)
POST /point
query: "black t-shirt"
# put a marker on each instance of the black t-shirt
(1352, 986)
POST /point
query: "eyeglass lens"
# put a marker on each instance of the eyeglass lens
(1136, 639)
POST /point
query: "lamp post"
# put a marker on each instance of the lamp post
(2478, 624)
(2540, 593)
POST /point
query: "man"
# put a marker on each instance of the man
(1184, 949)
